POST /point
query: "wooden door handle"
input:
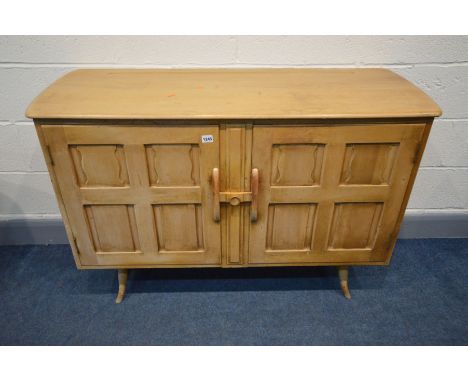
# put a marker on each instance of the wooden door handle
(216, 207)
(254, 188)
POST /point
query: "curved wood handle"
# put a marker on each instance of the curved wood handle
(216, 208)
(254, 188)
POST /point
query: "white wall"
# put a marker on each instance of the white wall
(439, 65)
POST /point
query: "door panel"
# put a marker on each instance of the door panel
(107, 237)
(329, 193)
(296, 165)
(290, 226)
(354, 225)
(138, 195)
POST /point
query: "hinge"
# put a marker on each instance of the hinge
(390, 242)
(417, 152)
(48, 156)
(76, 245)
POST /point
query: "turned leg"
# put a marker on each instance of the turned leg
(123, 275)
(343, 274)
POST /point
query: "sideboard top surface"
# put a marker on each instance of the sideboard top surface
(231, 94)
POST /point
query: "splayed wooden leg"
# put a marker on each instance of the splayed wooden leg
(123, 275)
(343, 274)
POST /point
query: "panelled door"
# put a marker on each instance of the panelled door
(330, 193)
(138, 195)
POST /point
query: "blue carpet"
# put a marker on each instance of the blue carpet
(421, 299)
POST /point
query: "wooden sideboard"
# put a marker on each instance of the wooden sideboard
(232, 168)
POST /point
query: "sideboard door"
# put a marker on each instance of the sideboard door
(138, 195)
(330, 194)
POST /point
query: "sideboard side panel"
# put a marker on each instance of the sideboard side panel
(417, 162)
(58, 195)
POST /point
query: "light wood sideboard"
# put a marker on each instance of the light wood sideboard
(232, 168)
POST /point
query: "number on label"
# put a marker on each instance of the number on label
(207, 139)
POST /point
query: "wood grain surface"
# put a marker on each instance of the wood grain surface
(231, 94)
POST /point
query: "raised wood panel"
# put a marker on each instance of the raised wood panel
(369, 163)
(290, 226)
(364, 172)
(113, 228)
(173, 165)
(296, 165)
(179, 227)
(355, 225)
(161, 216)
(99, 165)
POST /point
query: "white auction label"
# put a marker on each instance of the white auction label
(207, 139)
